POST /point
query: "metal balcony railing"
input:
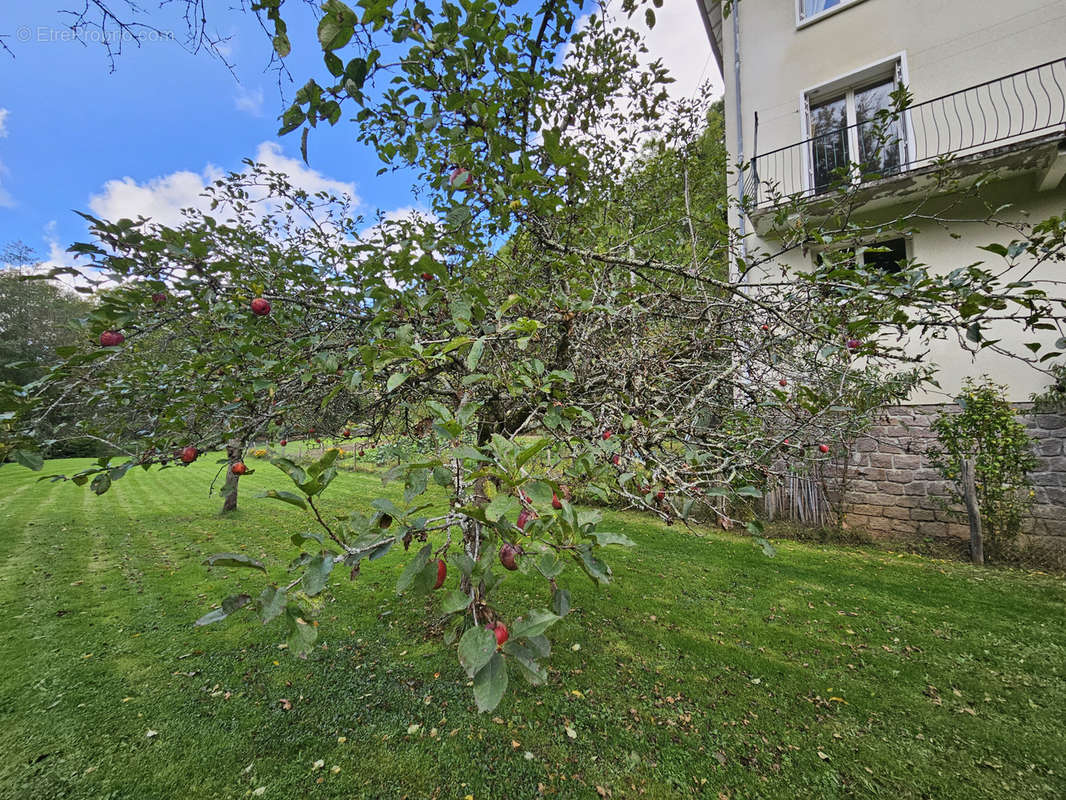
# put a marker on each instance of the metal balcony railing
(1014, 107)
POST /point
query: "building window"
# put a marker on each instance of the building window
(854, 134)
(809, 9)
(889, 256)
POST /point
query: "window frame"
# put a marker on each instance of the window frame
(846, 84)
(803, 22)
(859, 251)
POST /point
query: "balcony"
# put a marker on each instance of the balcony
(1016, 112)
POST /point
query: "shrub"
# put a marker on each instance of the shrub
(988, 430)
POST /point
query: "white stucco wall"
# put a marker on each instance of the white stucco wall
(945, 45)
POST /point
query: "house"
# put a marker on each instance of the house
(804, 82)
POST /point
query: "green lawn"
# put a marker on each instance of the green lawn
(707, 670)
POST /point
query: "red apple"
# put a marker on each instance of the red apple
(361, 452)
(607, 434)
(347, 433)
(854, 344)
(787, 441)
(783, 382)
(442, 573)
(508, 553)
(766, 327)
(159, 298)
(524, 516)
(556, 502)
(111, 339)
(500, 630)
(284, 442)
(189, 454)
(260, 307)
(823, 448)
(660, 496)
(427, 276)
(616, 460)
(239, 468)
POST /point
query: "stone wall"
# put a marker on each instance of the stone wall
(891, 488)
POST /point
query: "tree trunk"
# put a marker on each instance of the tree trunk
(973, 510)
(229, 489)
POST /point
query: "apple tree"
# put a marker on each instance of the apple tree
(561, 323)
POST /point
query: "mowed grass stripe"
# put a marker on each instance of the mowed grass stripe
(704, 662)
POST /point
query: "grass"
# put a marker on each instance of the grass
(706, 670)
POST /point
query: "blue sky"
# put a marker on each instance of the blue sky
(144, 138)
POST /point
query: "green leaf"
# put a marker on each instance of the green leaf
(474, 356)
(282, 45)
(604, 538)
(500, 506)
(292, 119)
(101, 483)
(292, 469)
(395, 380)
(536, 622)
(31, 460)
(649, 18)
(549, 565)
(594, 567)
(415, 566)
(426, 579)
(525, 659)
(749, 491)
(442, 476)
(475, 649)
(232, 603)
(454, 601)
(539, 492)
(458, 215)
(317, 575)
(270, 603)
(561, 602)
(973, 332)
(490, 683)
(323, 463)
(532, 450)
(286, 497)
(302, 634)
(336, 27)
(299, 539)
(233, 560)
(767, 548)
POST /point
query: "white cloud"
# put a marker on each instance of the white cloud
(301, 175)
(249, 102)
(162, 198)
(3, 122)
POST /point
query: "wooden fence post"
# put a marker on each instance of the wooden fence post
(969, 491)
